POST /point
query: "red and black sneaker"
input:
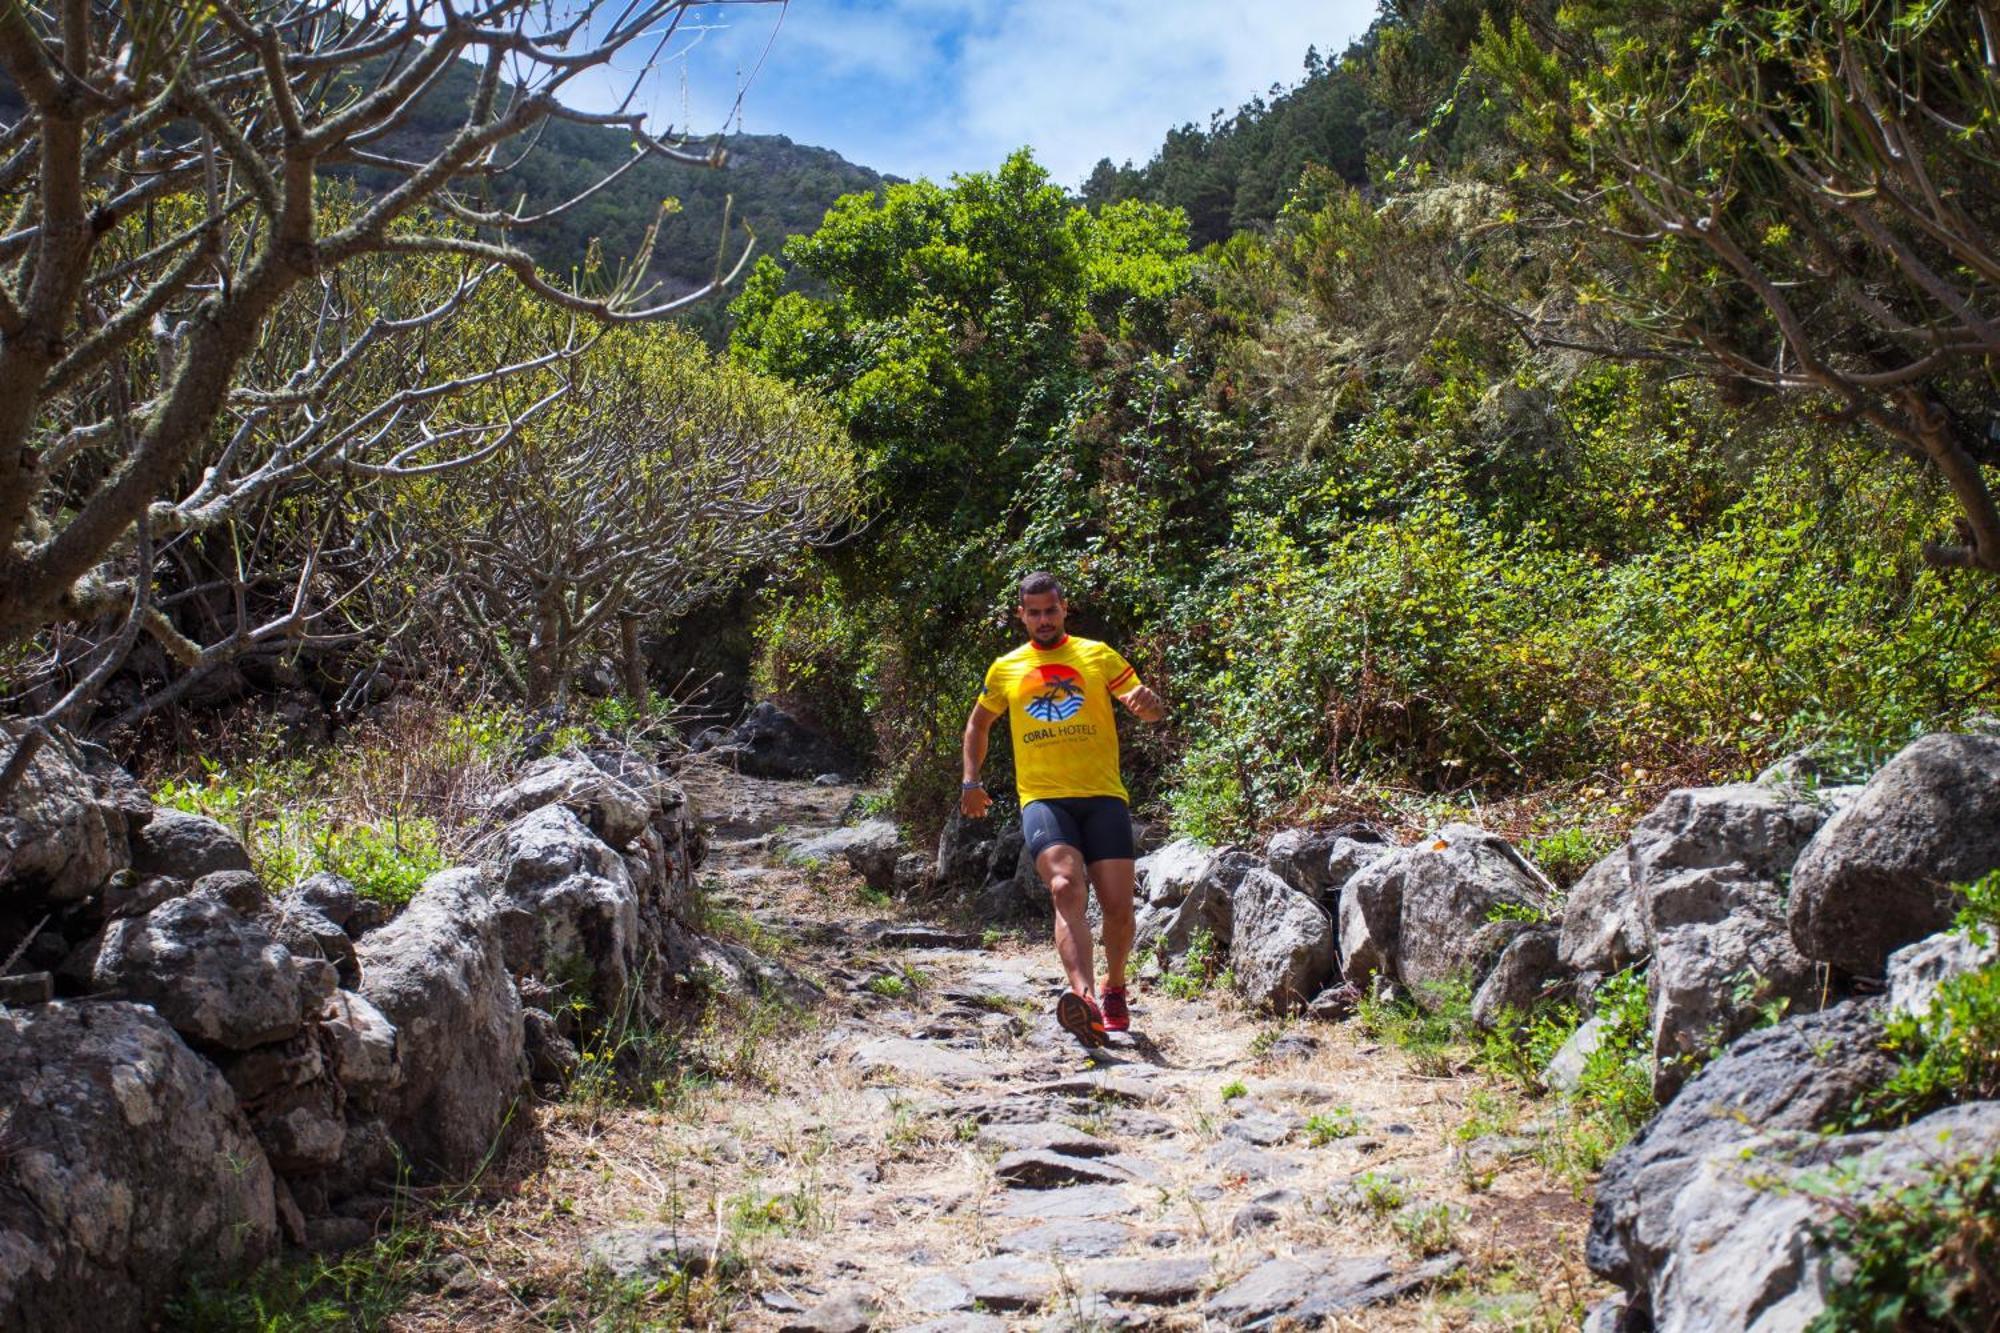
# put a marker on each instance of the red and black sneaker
(1117, 1014)
(1081, 1018)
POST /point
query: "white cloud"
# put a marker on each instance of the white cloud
(930, 87)
(1081, 82)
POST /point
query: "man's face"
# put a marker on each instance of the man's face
(1043, 614)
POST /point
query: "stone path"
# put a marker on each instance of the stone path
(925, 1149)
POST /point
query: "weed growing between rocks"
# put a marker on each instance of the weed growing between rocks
(1950, 1052)
(1922, 1256)
(1200, 968)
(389, 804)
(1613, 1095)
(360, 1290)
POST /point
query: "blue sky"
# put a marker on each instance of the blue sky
(929, 87)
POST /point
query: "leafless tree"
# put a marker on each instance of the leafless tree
(191, 301)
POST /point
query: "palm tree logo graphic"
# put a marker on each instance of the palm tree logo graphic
(1061, 696)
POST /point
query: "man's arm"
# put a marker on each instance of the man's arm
(973, 801)
(1145, 705)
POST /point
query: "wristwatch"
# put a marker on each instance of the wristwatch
(971, 786)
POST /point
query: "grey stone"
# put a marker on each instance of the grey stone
(1070, 1240)
(1208, 906)
(552, 1057)
(1008, 1282)
(871, 848)
(1916, 971)
(959, 1323)
(330, 1236)
(364, 1042)
(965, 849)
(1077, 1201)
(1298, 856)
(60, 837)
(607, 806)
(1282, 946)
(438, 973)
(218, 978)
(1720, 953)
(1044, 1136)
(1232, 1157)
(125, 894)
(1127, 1088)
(652, 1252)
(26, 988)
(770, 743)
(238, 890)
(1424, 915)
(1145, 1281)
(1312, 1284)
(1262, 1128)
(1805, 1073)
(920, 1059)
(916, 935)
(1564, 1071)
(1350, 854)
(129, 1167)
(1756, 828)
(186, 847)
(567, 908)
(1741, 1250)
(1166, 877)
(332, 896)
(1033, 1168)
(1879, 875)
(307, 932)
(1527, 972)
(935, 1293)
(848, 1310)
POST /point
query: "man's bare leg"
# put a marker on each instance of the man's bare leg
(1113, 881)
(1061, 868)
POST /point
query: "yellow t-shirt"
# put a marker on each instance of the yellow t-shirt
(1058, 703)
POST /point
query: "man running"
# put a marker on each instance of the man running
(1056, 693)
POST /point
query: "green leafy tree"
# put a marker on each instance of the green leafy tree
(1801, 197)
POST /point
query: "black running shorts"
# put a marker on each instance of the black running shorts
(1098, 826)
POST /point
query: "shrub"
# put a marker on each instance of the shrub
(1951, 1053)
(1923, 1255)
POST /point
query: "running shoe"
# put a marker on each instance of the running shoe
(1117, 1015)
(1080, 1017)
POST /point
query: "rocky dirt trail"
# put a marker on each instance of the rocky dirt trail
(924, 1148)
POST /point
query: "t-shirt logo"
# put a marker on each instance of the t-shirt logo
(1058, 693)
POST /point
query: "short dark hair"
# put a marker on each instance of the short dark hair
(1040, 582)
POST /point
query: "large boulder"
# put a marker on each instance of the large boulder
(1317, 862)
(1743, 1244)
(1439, 911)
(1917, 971)
(1208, 906)
(61, 835)
(219, 978)
(1721, 958)
(186, 846)
(1281, 947)
(611, 809)
(438, 973)
(771, 743)
(871, 848)
(1805, 1073)
(1757, 827)
(1879, 875)
(128, 1168)
(1527, 972)
(964, 854)
(567, 908)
